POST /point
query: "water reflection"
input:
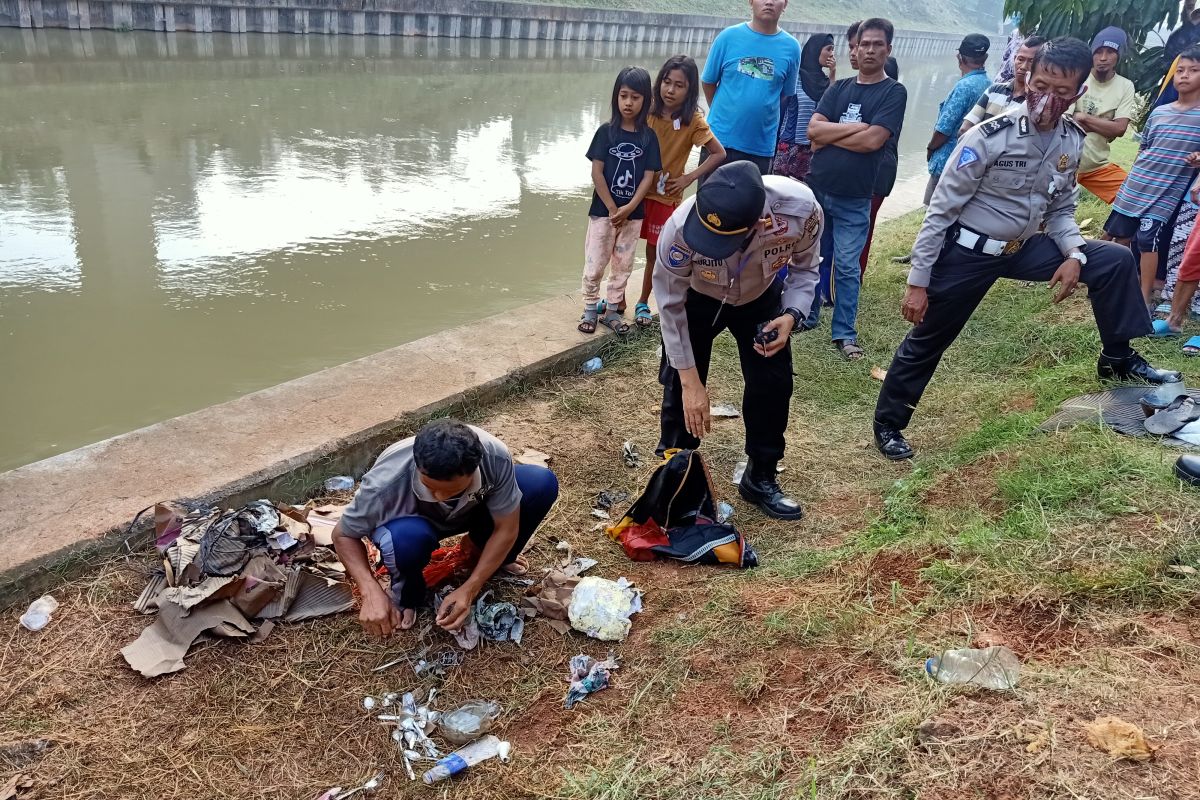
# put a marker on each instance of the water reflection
(251, 208)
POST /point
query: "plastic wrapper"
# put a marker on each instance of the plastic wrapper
(601, 608)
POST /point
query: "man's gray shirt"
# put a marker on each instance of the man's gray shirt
(392, 488)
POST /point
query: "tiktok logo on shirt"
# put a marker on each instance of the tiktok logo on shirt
(853, 113)
(624, 182)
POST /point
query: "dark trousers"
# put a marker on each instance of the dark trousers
(408, 542)
(961, 278)
(762, 162)
(768, 381)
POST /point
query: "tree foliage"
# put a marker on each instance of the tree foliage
(1085, 18)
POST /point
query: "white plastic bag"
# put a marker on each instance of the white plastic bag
(38, 614)
(601, 608)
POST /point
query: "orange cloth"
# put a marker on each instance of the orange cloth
(1189, 267)
(675, 146)
(1104, 181)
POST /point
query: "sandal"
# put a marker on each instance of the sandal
(587, 323)
(849, 349)
(602, 308)
(1192, 346)
(615, 322)
(642, 315)
(1162, 330)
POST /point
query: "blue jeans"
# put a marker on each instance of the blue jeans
(847, 222)
(407, 543)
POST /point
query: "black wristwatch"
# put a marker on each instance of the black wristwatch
(796, 315)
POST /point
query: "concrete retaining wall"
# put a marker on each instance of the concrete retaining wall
(477, 19)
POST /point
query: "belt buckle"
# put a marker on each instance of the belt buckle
(1012, 247)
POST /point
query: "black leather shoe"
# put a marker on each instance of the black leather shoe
(760, 487)
(891, 443)
(1134, 368)
(1187, 468)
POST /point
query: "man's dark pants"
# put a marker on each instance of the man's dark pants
(763, 163)
(408, 542)
(959, 281)
(768, 391)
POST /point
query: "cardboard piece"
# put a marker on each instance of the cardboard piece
(264, 582)
(161, 647)
(317, 597)
(148, 600)
(535, 458)
(188, 597)
(322, 521)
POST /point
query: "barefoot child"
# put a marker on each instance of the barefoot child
(679, 125)
(624, 156)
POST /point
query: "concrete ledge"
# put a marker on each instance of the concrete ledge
(59, 515)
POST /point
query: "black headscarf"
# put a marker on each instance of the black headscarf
(813, 79)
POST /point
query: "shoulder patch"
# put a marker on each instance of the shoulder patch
(678, 254)
(994, 125)
(967, 157)
(1072, 125)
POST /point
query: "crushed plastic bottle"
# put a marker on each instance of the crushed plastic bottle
(459, 760)
(339, 483)
(724, 511)
(991, 667)
(592, 366)
(469, 721)
(37, 616)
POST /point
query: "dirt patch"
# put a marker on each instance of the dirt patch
(970, 486)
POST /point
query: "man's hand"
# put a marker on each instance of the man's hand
(1193, 159)
(696, 410)
(677, 184)
(916, 303)
(378, 616)
(784, 325)
(1067, 275)
(456, 608)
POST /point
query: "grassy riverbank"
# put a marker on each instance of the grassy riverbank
(798, 679)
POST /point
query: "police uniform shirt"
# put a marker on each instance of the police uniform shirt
(1003, 180)
(792, 240)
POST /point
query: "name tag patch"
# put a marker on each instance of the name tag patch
(966, 158)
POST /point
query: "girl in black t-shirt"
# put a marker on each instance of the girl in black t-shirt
(625, 157)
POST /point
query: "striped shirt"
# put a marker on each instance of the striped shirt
(1160, 176)
(797, 114)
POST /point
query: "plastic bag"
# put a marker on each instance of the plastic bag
(601, 608)
(469, 721)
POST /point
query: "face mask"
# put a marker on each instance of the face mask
(1046, 107)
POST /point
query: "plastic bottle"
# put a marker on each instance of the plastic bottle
(469, 721)
(339, 483)
(592, 366)
(459, 760)
(37, 616)
(991, 667)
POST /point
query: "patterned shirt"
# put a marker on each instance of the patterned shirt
(1160, 175)
(951, 113)
(995, 101)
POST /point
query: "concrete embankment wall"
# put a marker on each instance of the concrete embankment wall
(478, 19)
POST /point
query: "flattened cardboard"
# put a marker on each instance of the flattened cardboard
(161, 647)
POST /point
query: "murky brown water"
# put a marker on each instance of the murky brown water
(187, 218)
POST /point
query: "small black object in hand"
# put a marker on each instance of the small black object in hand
(765, 338)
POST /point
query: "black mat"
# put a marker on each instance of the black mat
(1117, 408)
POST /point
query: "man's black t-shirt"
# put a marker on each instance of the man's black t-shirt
(626, 157)
(837, 170)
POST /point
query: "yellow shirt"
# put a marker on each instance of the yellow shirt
(675, 145)
(1115, 99)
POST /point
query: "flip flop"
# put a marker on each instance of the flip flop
(1162, 330)
(1192, 346)
(642, 315)
(1182, 411)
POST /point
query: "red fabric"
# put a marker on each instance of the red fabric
(656, 215)
(1189, 267)
(446, 562)
(638, 539)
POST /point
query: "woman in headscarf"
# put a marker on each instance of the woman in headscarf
(792, 154)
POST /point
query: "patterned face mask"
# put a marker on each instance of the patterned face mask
(1045, 107)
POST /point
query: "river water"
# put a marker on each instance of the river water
(185, 218)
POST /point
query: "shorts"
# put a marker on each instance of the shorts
(1145, 231)
(1104, 181)
(1189, 267)
(656, 215)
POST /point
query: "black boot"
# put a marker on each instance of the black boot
(891, 442)
(1134, 368)
(760, 487)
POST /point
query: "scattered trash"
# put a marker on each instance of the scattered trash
(16, 784)
(37, 616)
(878, 373)
(367, 788)
(592, 366)
(469, 721)
(468, 635)
(600, 513)
(533, 458)
(1035, 734)
(1181, 569)
(588, 676)
(339, 483)
(447, 562)
(630, 455)
(724, 511)
(1119, 738)
(552, 599)
(498, 622)
(601, 608)
(606, 499)
(459, 760)
(20, 754)
(724, 411)
(504, 752)
(739, 470)
(989, 667)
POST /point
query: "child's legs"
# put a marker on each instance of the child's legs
(656, 215)
(1148, 241)
(648, 275)
(597, 250)
(621, 263)
(1189, 276)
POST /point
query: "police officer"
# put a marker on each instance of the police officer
(719, 256)
(1008, 177)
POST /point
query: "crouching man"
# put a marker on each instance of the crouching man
(449, 479)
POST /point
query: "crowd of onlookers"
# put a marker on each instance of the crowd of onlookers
(783, 107)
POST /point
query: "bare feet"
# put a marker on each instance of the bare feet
(517, 567)
(408, 618)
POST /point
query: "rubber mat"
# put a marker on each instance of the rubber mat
(1117, 408)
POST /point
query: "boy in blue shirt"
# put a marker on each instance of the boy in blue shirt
(750, 69)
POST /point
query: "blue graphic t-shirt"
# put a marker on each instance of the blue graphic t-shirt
(953, 111)
(626, 156)
(753, 72)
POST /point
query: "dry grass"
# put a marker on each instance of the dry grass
(799, 679)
